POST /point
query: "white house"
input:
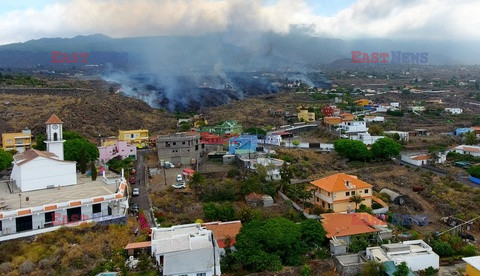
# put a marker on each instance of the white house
(404, 135)
(188, 249)
(365, 138)
(465, 149)
(395, 104)
(417, 159)
(37, 170)
(417, 254)
(371, 119)
(354, 126)
(271, 139)
(417, 108)
(454, 110)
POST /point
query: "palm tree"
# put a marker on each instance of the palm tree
(357, 199)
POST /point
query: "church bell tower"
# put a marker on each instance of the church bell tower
(54, 139)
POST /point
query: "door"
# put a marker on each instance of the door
(24, 224)
(74, 214)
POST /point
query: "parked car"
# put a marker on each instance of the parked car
(132, 180)
(168, 165)
(136, 192)
(134, 207)
(179, 185)
(179, 177)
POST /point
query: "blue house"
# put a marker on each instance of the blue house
(242, 144)
(460, 131)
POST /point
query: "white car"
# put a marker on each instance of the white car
(136, 192)
(179, 177)
(179, 185)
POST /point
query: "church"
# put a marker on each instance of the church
(37, 170)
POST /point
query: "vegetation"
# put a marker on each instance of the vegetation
(375, 130)
(474, 171)
(272, 243)
(402, 270)
(21, 80)
(470, 138)
(373, 268)
(223, 212)
(6, 159)
(385, 148)
(256, 131)
(353, 150)
(81, 250)
(117, 164)
(396, 113)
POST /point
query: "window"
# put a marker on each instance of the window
(167, 144)
(328, 193)
(201, 274)
(183, 143)
(132, 135)
(347, 193)
(49, 217)
(323, 204)
(196, 147)
(97, 208)
(353, 192)
(366, 191)
(174, 143)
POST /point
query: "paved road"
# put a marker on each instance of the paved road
(142, 200)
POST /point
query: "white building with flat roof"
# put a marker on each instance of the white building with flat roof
(466, 149)
(188, 249)
(454, 110)
(417, 254)
(354, 126)
(366, 138)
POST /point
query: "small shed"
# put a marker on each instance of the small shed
(394, 196)
(135, 248)
(258, 200)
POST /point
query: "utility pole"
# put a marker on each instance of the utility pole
(164, 175)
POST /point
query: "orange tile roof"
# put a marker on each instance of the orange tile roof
(340, 225)
(421, 157)
(137, 245)
(31, 154)
(75, 203)
(50, 207)
(472, 149)
(337, 182)
(98, 199)
(253, 197)
(224, 230)
(53, 120)
(24, 212)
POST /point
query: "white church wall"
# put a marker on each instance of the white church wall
(41, 173)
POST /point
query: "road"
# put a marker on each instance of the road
(458, 177)
(142, 200)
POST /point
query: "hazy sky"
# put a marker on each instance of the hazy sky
(22, 20)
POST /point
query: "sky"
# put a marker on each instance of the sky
(23, 20)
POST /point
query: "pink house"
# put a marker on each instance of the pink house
(121, 149)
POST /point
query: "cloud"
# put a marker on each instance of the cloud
(411, 19)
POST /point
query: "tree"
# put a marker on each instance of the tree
(313, 233)
(268, 244)
(198, 182)
(474, 171)
(82, 164)
(286, 173)
(358, 243)
(40, 143)
(402, 270)
(470, 138)
(385, 148)
(306, 270)
(93, 170)
(375, 130)
(353, 150)
(442, 248)
(6, 160)
(73, 150)
(185, 126)
(373, 268)
(357, 199)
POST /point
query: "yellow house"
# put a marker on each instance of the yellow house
(109, 141)
(362, 102)
(304, 115)
(334, 192)
(20, 141)
(473, 266)
(139, 137)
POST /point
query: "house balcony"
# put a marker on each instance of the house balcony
(324, 198)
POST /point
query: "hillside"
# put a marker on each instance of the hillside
(88, 111)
